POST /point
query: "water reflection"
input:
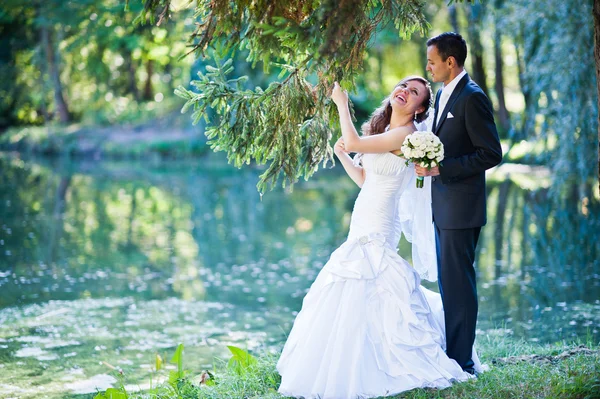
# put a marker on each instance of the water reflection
(112, 261)
(540, 265)
(154, 234)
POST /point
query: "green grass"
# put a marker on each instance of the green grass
(517, 370)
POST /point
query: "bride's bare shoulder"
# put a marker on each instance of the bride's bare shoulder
(402, 130)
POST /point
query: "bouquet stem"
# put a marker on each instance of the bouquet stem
(420, 181)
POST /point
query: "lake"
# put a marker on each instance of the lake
(105, 264)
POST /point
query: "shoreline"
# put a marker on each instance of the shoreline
(170, 137)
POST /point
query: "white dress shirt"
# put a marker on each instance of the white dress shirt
(447, 92)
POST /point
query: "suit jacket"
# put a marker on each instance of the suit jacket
(471, 146)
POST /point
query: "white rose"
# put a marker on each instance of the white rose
(430, 155)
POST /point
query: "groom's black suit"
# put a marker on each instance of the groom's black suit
(466, 128)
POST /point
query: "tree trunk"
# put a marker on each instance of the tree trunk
(503, 116)
(596, 13)
(380, 61)
(132, 81)
(169, 72)
(44, 89)
(527, 120)
(474, 15)
(148, 95)
(453, 18)
(422, 55)
(52, 61)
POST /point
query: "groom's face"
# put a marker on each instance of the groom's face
(439, 69)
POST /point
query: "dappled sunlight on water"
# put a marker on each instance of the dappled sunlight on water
(62, 336)
(103, 265)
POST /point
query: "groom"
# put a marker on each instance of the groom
(464, 122)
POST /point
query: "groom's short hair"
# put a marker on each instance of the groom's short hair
(450, 44)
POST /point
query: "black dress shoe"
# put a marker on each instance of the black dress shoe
(470, 370)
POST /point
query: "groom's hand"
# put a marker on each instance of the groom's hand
(422, 171)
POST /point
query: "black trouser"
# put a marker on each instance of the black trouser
(457, 282)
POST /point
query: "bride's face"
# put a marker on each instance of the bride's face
(408, 97)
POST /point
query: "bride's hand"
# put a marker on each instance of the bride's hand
(339, 96)
(339, 147)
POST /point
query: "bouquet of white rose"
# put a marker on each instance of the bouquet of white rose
(423, 149)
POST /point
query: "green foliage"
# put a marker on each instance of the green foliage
(241, 361)
(282, 124)
(112, 393)
(334, 33)
(179, 374)
(290, 123)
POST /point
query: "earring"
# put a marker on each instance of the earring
(415, 115)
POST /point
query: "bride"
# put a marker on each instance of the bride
(367, 327)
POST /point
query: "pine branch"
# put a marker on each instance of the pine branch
(281, 125)
(288, 125)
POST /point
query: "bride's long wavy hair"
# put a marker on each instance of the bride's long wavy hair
(381, 117)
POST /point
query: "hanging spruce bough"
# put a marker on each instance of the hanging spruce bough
(289, 124)
(281, 126)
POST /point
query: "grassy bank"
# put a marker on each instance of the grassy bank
(169, 137)
(517, 370)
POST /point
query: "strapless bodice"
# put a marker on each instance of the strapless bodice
(376, 206)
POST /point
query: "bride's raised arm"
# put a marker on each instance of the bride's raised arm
(385, 142)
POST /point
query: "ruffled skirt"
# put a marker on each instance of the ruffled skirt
(367, 329)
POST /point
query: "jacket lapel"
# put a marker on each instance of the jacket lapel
(435, 107)
(455, 93)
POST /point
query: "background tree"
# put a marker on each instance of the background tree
(596, 12)
(86, 61)
(555, 41)
(475, 18)
(499, 85)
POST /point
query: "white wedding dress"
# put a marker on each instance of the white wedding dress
(367, 327)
